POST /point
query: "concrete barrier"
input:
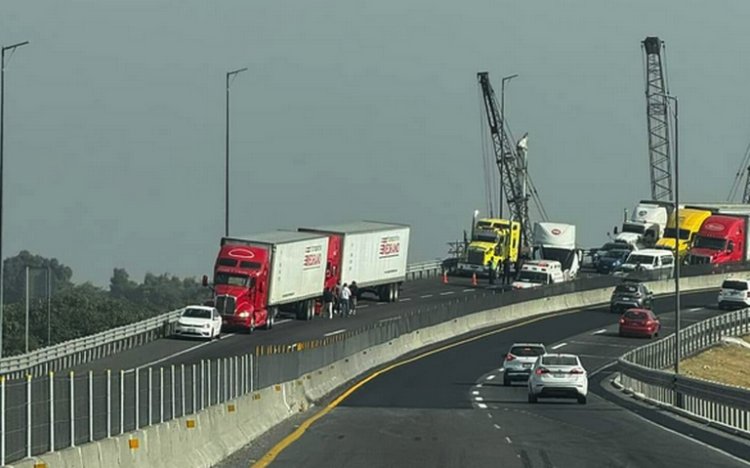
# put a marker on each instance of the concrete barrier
(204, 439)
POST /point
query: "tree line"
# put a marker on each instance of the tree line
(78, 310)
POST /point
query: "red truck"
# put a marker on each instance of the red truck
(723, 238)
(257, 276)
(371, 253)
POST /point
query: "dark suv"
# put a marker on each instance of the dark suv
(630, 295)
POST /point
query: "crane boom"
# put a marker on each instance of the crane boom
(658, 121)
(511, 165)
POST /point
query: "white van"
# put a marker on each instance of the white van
(537, 273)
(656, 260)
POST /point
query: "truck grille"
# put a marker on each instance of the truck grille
(699, 260)
(476, 257)
(225, 305)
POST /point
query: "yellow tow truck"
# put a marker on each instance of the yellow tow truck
(492, 241)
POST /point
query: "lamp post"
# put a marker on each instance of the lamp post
(230, 75)
(502, 114)
(677, 353)
(3, 50)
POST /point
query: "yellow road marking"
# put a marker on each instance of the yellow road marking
(271, 455)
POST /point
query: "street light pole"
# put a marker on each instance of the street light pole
(49, 306)
(502, 115)
(230, 75)
(3, 50)
(27, 309)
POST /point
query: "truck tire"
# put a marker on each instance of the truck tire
(384, 293)
(251, 328)
(310, 309)
(271, 318)
(396, 292)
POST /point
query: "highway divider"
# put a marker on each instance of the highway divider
(79, 351)
(219, 406)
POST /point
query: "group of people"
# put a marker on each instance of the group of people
(341, 300)
(506, 275)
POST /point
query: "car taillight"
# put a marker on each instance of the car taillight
(541, 371)
(509, 357)
(576, 371)
(649, 322)
(622, 321)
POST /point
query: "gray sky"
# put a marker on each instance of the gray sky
(350, 110)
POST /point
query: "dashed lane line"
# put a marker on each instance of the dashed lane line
(184, 351)
(482, 405)
(406, 299)
(490, 377)
(279, 322)
(507, 439)
(479, 398)
(558, 346)
(468, 290)
(426, 296)
(335, 332)
(496, 426)
(447, 293)
(599, 332)
(596, 343)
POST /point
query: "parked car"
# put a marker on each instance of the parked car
(610, 260)
(734, 292)
(558, 376)
(519, 360)
(630, 295)
(199, 321)
(639, 322)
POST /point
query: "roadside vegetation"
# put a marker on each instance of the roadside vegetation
(83, 309)
(727, 364)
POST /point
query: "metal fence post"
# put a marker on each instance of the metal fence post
(218, 381)
(236, 376)
(122, 401)
(203, 385)
(192, 374)
(182, 388)
(150, 395)
(161, 395)
(72, 410)
(173, 391)
(252, 372)
(91, 406)
(51, 411)
(227, 382)
(242, 374)
(137, 397)
(2, 420)
(109, 403)
(28, 415)
(229, 378)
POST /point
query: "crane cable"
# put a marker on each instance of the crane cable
(738, 176)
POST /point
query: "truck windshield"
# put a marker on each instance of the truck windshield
(634, 228)
(710, 243)
(486, 236)
(533, 277)
(671, 233)
(231, 279)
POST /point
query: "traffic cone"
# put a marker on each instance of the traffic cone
(445, 277)
(473, 279)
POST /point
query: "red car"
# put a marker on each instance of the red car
(639, 322)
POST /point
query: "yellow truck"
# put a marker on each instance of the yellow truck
(691, 221)
(492, 241)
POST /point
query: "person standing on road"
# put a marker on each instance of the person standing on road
(354, 290)
(346, 294)
(491, 272)
(328, 302)
(506, 271)
(337, 298)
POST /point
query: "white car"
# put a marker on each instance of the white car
(734, 292)
(519, 360)
(200, 321)
(558, 376)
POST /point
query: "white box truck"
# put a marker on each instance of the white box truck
(557, 241)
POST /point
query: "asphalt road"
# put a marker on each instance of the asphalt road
(451, 409)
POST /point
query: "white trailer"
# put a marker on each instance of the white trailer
(296, 263)
(557, 241)
(373, 254)
(646, 225)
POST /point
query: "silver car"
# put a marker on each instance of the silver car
(558, 376)
(519, 360)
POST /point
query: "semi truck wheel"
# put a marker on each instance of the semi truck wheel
(396, 292)
(270, 318)
(251, 328)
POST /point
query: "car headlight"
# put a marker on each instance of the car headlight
(244, 314)
(206, 325)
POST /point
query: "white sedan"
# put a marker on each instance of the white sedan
(558, 376)
(200, 321)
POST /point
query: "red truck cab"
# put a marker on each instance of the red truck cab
(721, 239)
(240, 286)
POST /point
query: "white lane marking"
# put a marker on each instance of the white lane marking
(379, 303)
(489, 415)
(362, 306)
(479, 398)
(696, 309)
(468, 290)
(479, 385)
(595, 343)
(335, 332)
(490, 377)
(279, 322)
(391, 319)
(496, 426)
(482, 405)
(426, 296)
(180, 353)
(507, 439)
(558, 346)
(475, 392)
(598, 332)
(447, 293)
(406, 299)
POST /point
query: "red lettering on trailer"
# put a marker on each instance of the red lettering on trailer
(389, 247)
(313, 260)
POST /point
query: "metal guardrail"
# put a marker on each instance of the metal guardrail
(88, 348)
(642, 373)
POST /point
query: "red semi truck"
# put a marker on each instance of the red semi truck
(257, 276)
(723, 238)
(371, 253)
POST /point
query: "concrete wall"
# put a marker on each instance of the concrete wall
(208, 437)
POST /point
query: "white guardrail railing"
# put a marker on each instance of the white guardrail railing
(88, 348)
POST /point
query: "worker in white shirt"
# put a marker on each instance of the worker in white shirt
(346, 294)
